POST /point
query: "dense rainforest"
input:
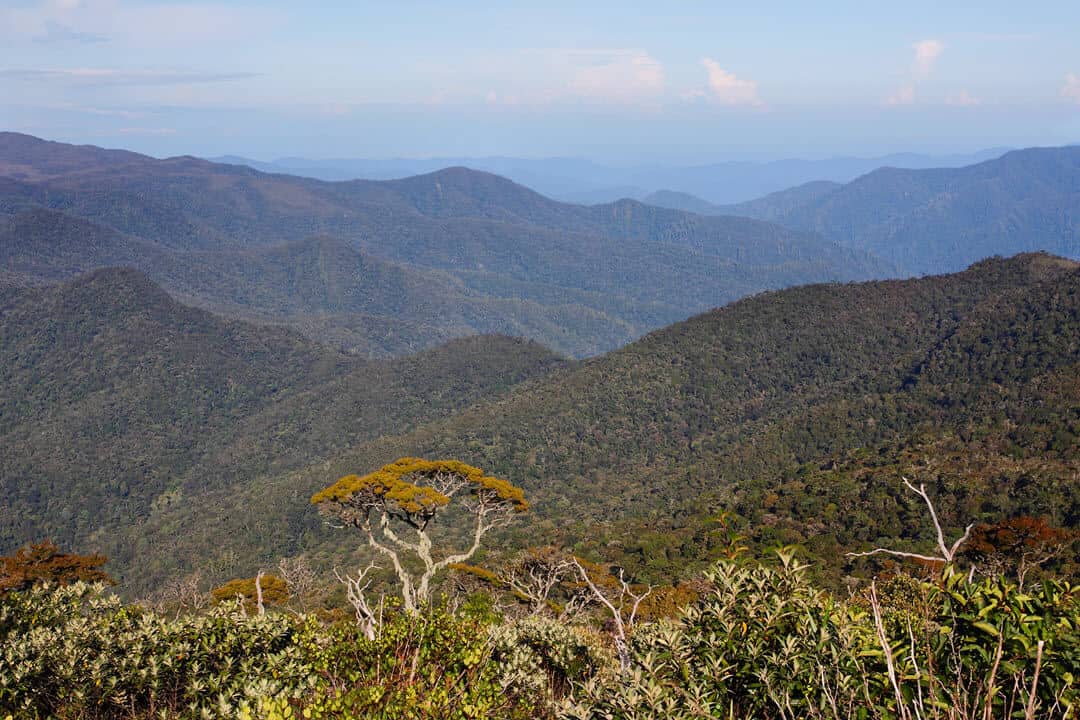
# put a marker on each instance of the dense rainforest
(796, 410)
(441, 447)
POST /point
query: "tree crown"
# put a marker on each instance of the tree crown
(396, 486)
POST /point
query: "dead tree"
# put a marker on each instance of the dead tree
(299, 578)
(367, 617)
(535, 576)
(948, 552)
(616, 595)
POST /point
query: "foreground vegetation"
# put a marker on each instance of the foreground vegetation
(986, 632)
(760, 642)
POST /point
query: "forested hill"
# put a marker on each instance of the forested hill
(119, 402)
(798, 410)
(499, 256)
(946, 218)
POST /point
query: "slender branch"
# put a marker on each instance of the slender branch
(960, 541)
(355, 592)
(896, 553)
(947, 554)
(258, 593)
(621, 627)
(1029, 711)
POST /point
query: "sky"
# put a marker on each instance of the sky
(620, 82)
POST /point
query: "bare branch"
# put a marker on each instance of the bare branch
(536, 574)
(896, 553)
(960, 541)
(258, 593)
(947, 553)
(299, 578)
(621, 627)
(355, 592)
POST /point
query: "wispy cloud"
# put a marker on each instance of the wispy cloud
(146, 131)
(962, 99)
(111, 76)
(178, 23)
(1071, 89)
(726, 88)
(615, 76)
(548, 76)
(926, 54)
(56, 33)
(904, 95)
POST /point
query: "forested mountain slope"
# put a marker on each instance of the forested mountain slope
(579, 279)
(946, 218)
(798, 410)
(119, 401)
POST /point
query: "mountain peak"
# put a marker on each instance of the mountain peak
(31, 158)
(115, 290)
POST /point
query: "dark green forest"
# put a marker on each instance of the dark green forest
(188, 439)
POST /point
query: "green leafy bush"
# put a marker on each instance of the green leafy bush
(761, 642)
(73, 652)
(764, 643)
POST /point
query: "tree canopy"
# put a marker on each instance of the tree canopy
(413, 492)
(44, 563)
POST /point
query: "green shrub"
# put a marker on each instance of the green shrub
(419, 666)
(979, 654)
(761, 643)
(74, 652)
(543, 657)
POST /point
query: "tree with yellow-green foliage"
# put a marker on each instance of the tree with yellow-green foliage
(408, 495)
(255, 592)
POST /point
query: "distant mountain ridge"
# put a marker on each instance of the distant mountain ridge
(582, 181)
(773, 207)
(943, 219)
(497, 256)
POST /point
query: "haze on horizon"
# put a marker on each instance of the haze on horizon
(626, 82)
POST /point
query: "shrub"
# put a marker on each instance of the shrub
(73, 651)
(760, 643)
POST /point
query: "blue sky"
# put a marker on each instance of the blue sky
(614, 81)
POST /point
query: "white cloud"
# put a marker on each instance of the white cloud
(623, 76)
(904, 95)
(1071, 89)
(962, 99)
(927, 53)
(544, 76)
(926, 56)
(728, 89)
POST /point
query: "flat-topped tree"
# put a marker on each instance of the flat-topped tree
(407, 496)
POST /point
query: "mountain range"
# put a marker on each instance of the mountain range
(388, 266)
(578, 180)
(932, 220)
(265, 334)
